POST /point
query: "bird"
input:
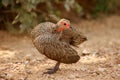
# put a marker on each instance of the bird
(54, 41)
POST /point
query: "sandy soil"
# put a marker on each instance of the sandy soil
(100, 55)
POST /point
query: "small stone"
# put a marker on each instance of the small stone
(83, 69)
(2, 68)
(95, 53)
(29, 71)
(26, 62)
(9, 76)
(118, 75)
(3, 75)
(23, 78)
(101, 69)
(86, 52)
(51, 77)
(72, 76)
(119, 65)
(77, 69)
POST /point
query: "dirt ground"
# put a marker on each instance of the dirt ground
(100, 55)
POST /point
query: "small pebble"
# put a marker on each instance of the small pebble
(119, 65)
(101, 69)
(86, 52)
(71, 76)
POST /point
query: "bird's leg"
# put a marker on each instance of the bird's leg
(51, 71)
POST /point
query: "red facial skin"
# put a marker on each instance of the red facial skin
(67, 25)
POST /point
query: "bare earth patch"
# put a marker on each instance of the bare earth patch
(100, 55)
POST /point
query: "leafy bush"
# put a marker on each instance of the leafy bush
(23, 15)
(114, 5)
(26, 15)
(106, 6)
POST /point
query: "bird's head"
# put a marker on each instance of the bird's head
(63, 24)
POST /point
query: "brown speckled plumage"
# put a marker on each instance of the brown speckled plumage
(42, 28)
(56, 45)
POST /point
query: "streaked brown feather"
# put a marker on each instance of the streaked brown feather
(55, 49)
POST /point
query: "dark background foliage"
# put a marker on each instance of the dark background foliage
(18, 16)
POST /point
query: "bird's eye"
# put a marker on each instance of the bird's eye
(64, 23)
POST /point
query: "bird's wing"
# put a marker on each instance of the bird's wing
(72, 36)
(54, 49)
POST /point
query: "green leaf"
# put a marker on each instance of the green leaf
(5, 2)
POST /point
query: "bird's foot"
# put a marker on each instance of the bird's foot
(50, 71)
